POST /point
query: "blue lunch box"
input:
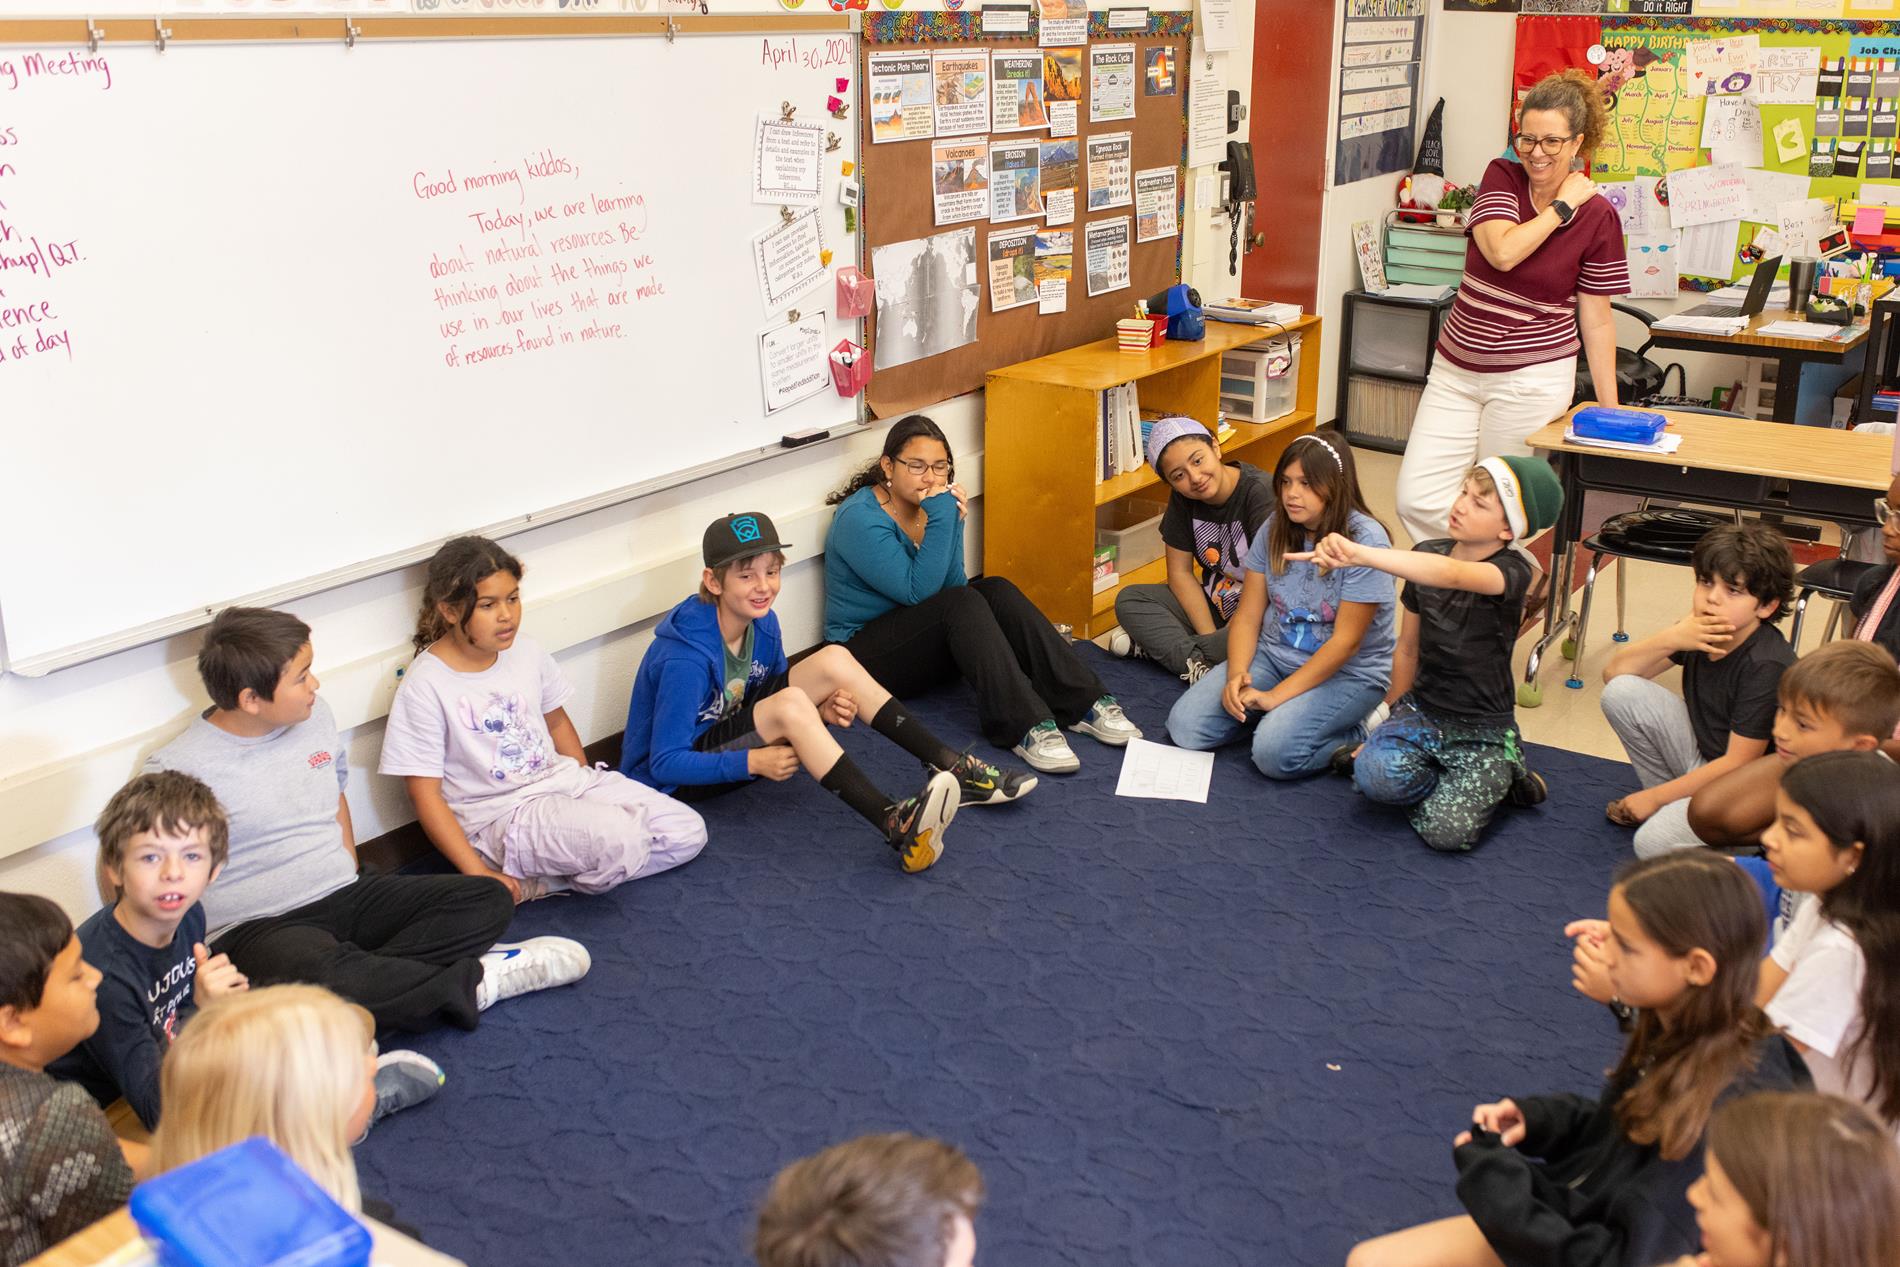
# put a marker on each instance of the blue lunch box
(1626, 426)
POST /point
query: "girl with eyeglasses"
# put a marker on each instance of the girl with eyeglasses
(1545, 256)
(1876, 614)
(897, 596)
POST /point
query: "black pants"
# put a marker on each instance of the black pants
(405, 947)
(1023, 671)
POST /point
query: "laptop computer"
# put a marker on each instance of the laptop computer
(1754, 302)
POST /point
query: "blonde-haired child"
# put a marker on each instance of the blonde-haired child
(293, 1063)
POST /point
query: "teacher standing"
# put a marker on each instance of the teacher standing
(1545, 256)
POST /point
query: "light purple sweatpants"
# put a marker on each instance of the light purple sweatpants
(594, 829)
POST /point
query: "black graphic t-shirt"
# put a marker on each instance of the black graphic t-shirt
(1218, 536)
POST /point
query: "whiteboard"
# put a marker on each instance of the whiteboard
(231, 276)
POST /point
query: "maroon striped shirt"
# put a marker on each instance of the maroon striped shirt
(1506, 321)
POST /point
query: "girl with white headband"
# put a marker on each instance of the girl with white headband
(1309, 650)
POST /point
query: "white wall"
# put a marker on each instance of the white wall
(594, 589)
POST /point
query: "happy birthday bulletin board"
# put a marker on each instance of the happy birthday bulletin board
(1827, 93)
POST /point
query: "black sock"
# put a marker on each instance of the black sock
(896, 724)
(854, 787)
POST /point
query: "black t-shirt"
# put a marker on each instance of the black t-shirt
(1736, 694)
(145, 998)
(1218, 536)
(1465, 641)
(1865, 594)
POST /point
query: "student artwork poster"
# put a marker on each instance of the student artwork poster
(962, 78)
(1062, 89)
(1015, 180)
(901, 107)
(1055, 260)
(1107, 248)
(1059, 171)
(1016, 93)
(1111, 170)
(1155, 201)
(960, 181)
(1012, 269)
(1111, 83)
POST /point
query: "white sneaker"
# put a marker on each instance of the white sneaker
(540, 963)
(1120, 644)
(1046, 750)
(1376, 717)
(1108, 723)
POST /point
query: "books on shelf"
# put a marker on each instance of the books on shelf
(1118, 442)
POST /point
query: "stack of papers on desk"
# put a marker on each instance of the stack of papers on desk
(1798, 330)
(1667, 442)
(1701, 325)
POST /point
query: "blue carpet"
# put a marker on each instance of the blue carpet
(1240, 1033)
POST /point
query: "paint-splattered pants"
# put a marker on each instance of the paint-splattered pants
(1451, 774)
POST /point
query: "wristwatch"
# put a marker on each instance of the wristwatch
(1563, 209)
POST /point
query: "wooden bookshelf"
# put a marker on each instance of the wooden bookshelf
(1040, 478)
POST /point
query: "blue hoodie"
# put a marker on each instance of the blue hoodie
(677, 693)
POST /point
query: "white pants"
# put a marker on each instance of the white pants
(1464, 418)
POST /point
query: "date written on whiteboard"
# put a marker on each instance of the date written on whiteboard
(809, 54)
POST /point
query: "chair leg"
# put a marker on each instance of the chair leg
(1622, 600)
(1574, 682)
(1800, 613)
(1834, 622)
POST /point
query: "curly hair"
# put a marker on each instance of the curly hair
(1751, 555)
(454, 572)
(902, 432)
(1574, 94)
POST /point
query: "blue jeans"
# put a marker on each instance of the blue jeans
(1452, 776)
(1294, 739)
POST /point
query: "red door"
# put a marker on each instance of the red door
(1287, 123)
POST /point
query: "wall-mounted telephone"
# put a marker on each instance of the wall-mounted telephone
(1241, 188)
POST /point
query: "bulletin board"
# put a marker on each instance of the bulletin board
(898, 204)
(1657, 120)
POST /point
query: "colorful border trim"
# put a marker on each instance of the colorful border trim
(1746, 26)
(964, 28)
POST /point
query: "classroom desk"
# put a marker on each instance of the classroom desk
(114, 1241)
(1788, 354)
(1814, 473)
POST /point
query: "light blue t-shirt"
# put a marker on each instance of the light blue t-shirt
(1302, 605)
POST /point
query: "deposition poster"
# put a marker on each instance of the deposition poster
(1016, 92)
(960, 180)
(1110, 170)
(1055, 260)
(1012, 268)
(1107, 248)
(962, 79)
(928, 293)
(1059, 171)
(1015, 180)
(1156, 198)
(1111, 83)
(901, 108)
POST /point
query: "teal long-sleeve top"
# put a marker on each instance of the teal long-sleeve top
(872, 566)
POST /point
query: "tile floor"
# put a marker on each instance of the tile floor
(1570, 719)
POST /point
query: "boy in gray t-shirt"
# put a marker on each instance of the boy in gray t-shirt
(290, 906)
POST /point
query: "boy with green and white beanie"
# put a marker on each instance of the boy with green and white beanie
(1449, 751)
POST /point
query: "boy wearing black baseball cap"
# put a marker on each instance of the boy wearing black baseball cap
(715, 704)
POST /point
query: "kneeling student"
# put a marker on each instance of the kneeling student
(1449, 751)
(715, 703)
